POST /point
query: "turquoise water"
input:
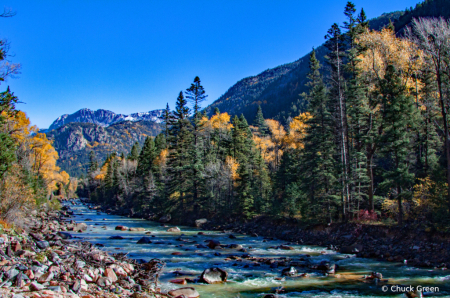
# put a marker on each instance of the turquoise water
(245, 277)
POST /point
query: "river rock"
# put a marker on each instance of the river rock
(42, 244)
(231, 236)
(144, 240)
(291, 271)
(80, 227)
(214, 276)
(116, 237)
(236, 246)
(121, 228)
(179, 281)
(137, 229)
(174, 230)
(186, 292)
(64, 235)
(213, 244)
(104, 282)
(109, 273)
(285, 247)
(352, 249)
(165, 218)
(199, 222)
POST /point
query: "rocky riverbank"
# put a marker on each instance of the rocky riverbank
(406, 244)
(42, 260)
(394, 244)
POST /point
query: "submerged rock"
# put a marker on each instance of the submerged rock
(186, 292)
(144, 240)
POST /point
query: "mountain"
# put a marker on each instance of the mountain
(278, 90)
(104, 117)
(74, 141)
(428, 8)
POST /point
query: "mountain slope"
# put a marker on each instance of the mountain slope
(74, 141)
(104, 117)
(278, 90)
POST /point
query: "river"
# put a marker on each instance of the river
(245, 279)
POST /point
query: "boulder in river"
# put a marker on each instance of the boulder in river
(291, 271)
(144, 240)
(186, 292)
(121, 228)
(80, 227)
(174, 230)
(165, 218)
(213, 244)
(285, 247)
(214, 276)
(116, 238)
(199, 222)
(64, 235)
(351, 249)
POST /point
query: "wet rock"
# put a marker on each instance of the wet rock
(179, 281)
(64, 235)
(236, 246)
(116, 238)
(213, 244)
(214, 276)
(285, 247)
(186, 292)
(352, 249)
(200, 222)
(144, 240)
(80, 227)
(121, 228)
(165, 218)
(137, 230)
(174, 230)
(231, 236)
(291, 271)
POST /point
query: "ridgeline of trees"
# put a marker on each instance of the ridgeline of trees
(373, 144)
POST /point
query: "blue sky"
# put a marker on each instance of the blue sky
(134, 56)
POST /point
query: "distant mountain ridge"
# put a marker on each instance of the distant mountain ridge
(104, 117)
(74, 141)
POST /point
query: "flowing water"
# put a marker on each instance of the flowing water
(244, 278)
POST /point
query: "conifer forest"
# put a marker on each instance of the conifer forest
(370, 145)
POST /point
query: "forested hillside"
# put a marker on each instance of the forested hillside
(75, 141)
(278, 90)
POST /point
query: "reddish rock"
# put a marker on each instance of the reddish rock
(111, 275)
(179, 281)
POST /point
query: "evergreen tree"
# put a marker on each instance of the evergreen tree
(318, 179)
(196, 94)
(180, 159)
(147, 157)
(336, 46)
(7, 145)
(260, 122)
(167, 118)
(398, 117)
(160, 143)
(135, 151)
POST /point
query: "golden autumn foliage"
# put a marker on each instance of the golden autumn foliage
(383, 49)
(297, 131)
(161, 160)
(218, 121)
(233, 166)
(37, 149)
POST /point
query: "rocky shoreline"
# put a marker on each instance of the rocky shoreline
(392, 244)
(42, 260)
